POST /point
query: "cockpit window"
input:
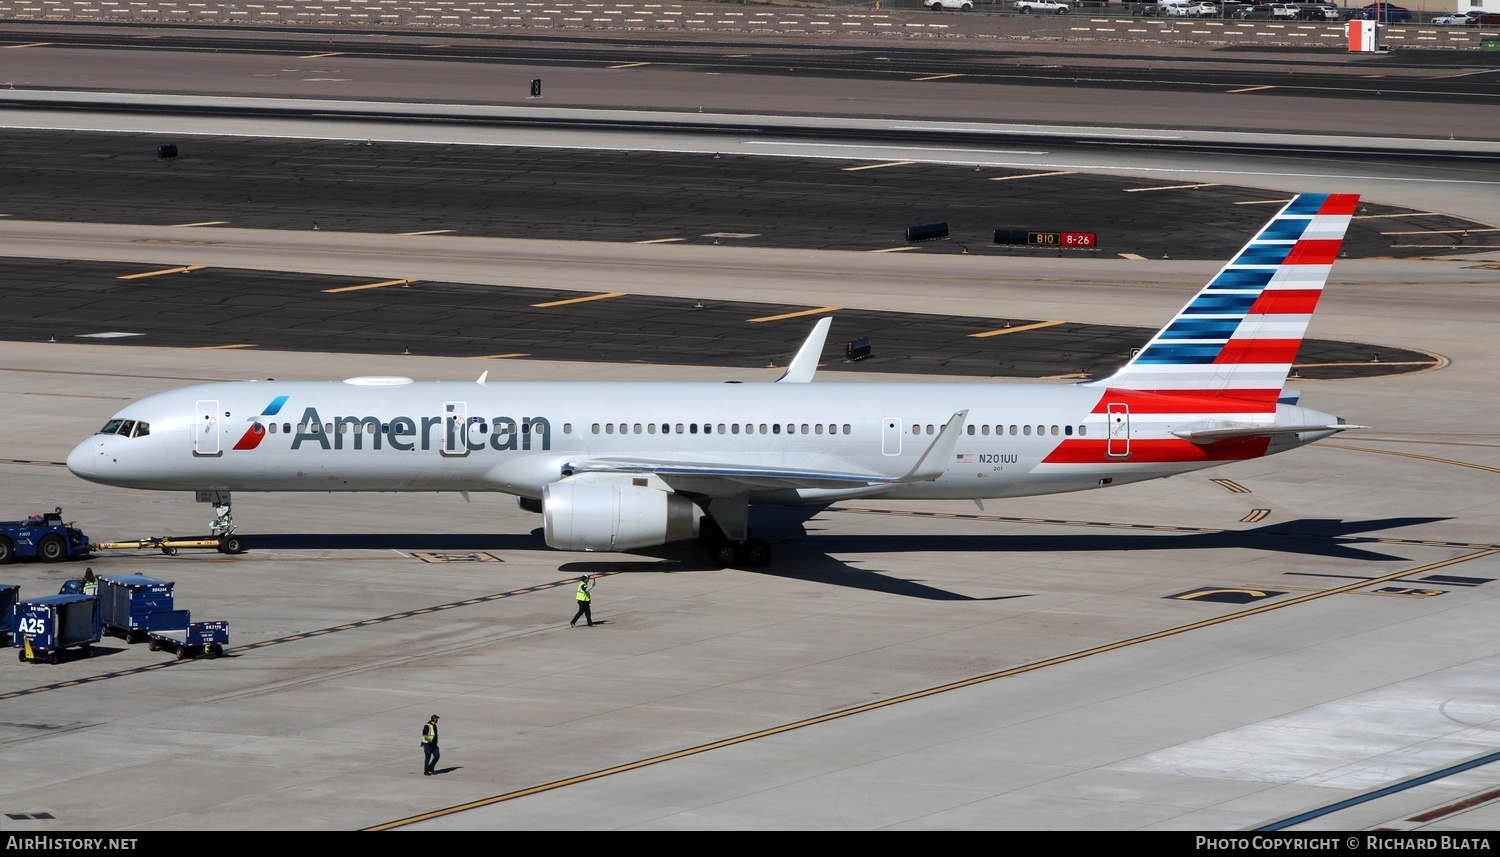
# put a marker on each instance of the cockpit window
(126, 428)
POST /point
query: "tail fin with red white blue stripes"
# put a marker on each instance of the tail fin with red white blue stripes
(1238, 336)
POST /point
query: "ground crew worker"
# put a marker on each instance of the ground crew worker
(90, 582)
(430, 751)
(585, 583)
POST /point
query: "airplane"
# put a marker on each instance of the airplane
(620, 466)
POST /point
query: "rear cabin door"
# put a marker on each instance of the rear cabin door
(206, 428)
(1119, 430)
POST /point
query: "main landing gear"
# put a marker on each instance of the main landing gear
(725, 552)
(753, 552)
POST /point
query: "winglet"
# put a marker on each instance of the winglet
(934, 462)
(806, 362)
(483, 376)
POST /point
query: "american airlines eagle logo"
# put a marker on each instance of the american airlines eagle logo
(257, 430)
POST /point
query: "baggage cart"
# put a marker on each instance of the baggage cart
(42, 628)
(175, 631)
(8, 595)
(127, 602)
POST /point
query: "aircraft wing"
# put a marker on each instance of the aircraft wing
(814, 471)
(750, 476)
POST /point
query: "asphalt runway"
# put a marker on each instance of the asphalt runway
(1303, 642)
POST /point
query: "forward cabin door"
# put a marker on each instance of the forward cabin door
(206, 428)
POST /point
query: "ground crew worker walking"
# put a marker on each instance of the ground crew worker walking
(585, 583)
(430, 751)
(90, 582)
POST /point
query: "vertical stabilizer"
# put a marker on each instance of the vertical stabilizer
(1238, 336)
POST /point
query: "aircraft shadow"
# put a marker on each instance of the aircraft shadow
(433, 542)
(1326, 538)
(808, 555)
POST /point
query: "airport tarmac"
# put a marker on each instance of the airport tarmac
(1090, 682)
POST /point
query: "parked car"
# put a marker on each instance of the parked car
(1388, 13)
(1484, 19)
(1456, 19)
(1319, 12)
(1270, 12)
(1045, 7)
(1192, 10)
(939, 5)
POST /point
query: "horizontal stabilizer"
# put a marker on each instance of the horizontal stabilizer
(1214, 435)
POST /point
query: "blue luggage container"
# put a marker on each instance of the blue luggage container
(175, 631)
(42, 628)
(126, 602)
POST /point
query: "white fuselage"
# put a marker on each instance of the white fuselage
(386, 434)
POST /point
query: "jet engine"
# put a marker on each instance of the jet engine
(615, 515)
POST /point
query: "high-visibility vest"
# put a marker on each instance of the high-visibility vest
(583, 592)
(429, 733)
(90, 588)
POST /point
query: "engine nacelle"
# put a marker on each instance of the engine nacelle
(615, 515)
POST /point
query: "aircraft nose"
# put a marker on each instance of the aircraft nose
(81, 459)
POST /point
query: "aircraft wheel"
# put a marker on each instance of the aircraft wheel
(52, 548)
(724, 554)
(231, 544)
(757, 553)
